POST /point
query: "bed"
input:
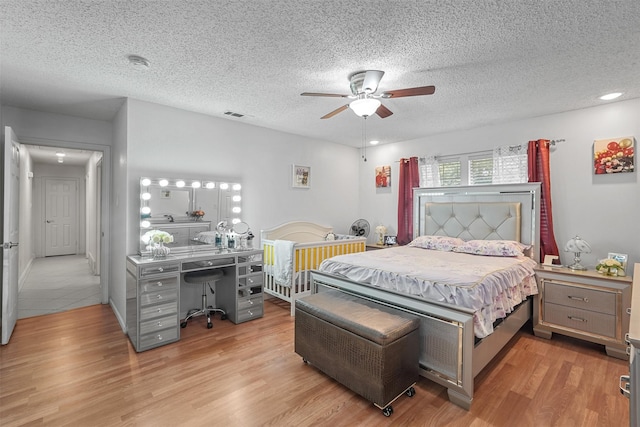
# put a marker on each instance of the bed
(294, 249)
(457, 339)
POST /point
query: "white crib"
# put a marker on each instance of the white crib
(310, 248)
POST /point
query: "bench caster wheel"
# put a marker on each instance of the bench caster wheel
(387, 411)
(223, 317)
(209, 325)
(305, 361)
(183, 324)
(411, 392)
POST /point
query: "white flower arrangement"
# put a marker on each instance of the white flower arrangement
(610, 267)
(381, 229)
(156, 236)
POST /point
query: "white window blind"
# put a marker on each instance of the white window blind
(449, 172)
(510, 164)
(481, 169)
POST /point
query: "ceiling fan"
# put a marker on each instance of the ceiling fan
(363, 93)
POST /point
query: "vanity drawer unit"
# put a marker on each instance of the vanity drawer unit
(152, 304)
(245, 301)
(585, 305)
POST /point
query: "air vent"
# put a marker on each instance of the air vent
(232, 114)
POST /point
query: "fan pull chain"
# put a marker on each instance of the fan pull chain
(364, 139)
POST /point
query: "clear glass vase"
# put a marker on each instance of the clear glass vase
(160, 251)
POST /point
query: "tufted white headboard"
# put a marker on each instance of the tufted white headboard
(474, 220)
(489, 212)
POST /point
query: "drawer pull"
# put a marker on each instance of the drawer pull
(626, 338)
(629, 311)
(160, 269)
(579, 319)
(583, 299)
(250, 280)
(159, 323)
(159, 337)
(625, 385)
(159, 310)
(159, 283)
(159, 296)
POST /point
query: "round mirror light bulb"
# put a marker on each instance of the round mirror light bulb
(146, 182)
(236, 210)
(210, 185)
(180, 184)
(195, 184)
(224, 186)
(236, 198)
(237, 187)
(235, 220)
(163, 183)
(145, 224)
(145, 210)
(146, 196)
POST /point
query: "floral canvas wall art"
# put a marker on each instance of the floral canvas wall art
(383, 176)
(613, 155)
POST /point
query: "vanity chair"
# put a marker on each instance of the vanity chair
(204, 278)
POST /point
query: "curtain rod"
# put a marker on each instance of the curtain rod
(551, 142)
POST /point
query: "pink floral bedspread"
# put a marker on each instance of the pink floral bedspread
(491, 286)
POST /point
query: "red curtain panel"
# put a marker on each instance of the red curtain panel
(538, 158)
(408, 180)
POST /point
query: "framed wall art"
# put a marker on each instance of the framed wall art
(301, 176)
(383, 176)
(613, 155)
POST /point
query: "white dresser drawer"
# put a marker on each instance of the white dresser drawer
(250, 313)
(582, 320)
(165, 295)
(580, 297)
(158, 338)
(151, 312)
(154, 285)
(159, 324)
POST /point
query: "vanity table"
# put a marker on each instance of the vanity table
(153, 291)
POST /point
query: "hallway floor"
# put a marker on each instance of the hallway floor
(56, 284)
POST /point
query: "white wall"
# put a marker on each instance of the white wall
(26, 248)
(602, 209)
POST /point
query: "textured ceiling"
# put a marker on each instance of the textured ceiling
(491, 61)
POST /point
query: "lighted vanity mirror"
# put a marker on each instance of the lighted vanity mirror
(186, 207)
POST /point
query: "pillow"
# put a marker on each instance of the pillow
(329, 237)
(438, 243)
(492, 247)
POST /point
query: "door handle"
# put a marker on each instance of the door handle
(9, 245)
(49, 222)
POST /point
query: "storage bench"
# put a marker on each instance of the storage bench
(368, 347)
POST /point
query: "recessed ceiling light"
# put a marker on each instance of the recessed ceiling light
(60, 154)
(60, 160)
(610, 96)
(374, 142)
(138, 62)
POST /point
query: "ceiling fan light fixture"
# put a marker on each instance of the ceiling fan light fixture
(364, 107)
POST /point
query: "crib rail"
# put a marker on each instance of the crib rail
(306, 257)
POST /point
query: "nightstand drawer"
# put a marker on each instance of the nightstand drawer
(158, 338)
(579, 297)
(159, 324)
(583, 320)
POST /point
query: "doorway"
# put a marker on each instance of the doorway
(64, 230)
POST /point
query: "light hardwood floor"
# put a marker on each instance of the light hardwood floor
(77, 368)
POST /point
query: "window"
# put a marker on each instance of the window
(481, 170)
(504, 165)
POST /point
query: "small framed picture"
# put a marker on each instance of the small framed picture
(301, 177)
(621, 258)
(389, 240)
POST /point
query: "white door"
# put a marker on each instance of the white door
(61, 217)
(11, 177)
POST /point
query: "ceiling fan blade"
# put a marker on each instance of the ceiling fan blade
(371, 81)
(334, 112)
(383, 111)
(333, 95)
(414, 91)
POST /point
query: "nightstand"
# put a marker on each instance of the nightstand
(585, 305)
